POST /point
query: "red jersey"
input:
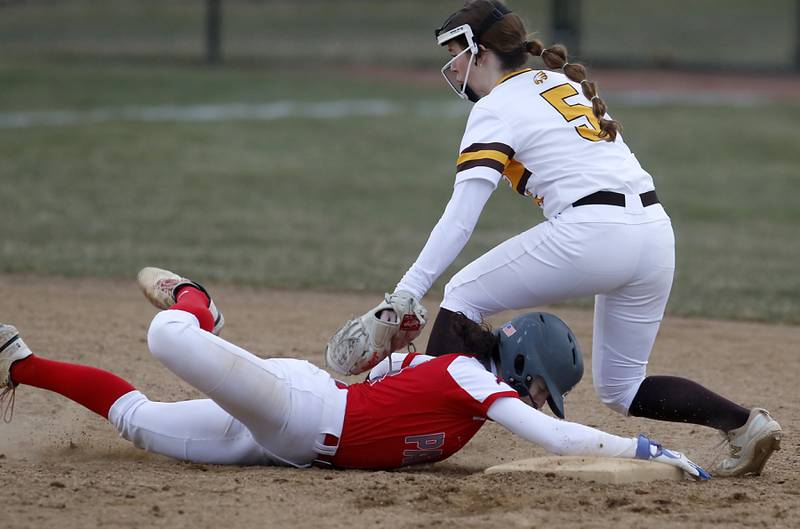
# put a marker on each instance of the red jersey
(419, 414)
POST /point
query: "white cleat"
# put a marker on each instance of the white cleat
(160, 286)
(751, 445)
(12, 348)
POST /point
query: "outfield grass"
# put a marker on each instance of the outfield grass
(346, 204)
(729, 178)
(54, 85)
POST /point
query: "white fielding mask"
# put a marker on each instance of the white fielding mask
(472, 48)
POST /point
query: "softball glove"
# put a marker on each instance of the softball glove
(363, 342)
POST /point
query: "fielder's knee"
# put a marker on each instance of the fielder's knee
(618, 398)
(453, 303)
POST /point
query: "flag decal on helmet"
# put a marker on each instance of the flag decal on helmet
(509, 330)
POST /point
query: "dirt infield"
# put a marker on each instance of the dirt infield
(61, 466)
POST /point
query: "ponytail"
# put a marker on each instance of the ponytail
(555, 58)
(478, 338)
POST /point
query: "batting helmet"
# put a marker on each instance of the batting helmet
(539, 344)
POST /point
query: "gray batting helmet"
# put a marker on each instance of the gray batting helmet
(540, 344)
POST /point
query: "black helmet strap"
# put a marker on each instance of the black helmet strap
(494, 16)
(491, 19)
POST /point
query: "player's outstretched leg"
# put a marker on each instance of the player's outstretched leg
(91, 387)
(197, 430)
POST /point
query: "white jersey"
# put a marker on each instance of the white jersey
(538, 131)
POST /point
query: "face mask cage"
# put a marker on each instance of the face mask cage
(538, 392)
(464, 30)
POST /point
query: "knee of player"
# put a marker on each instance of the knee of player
(120, 413)
(451, 290)
(163, 334)
(455, 303)
(618, 398)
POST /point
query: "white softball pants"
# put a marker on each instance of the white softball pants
(259, 411)
(623, 256)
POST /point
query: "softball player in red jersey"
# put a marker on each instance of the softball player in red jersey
(412, 409)
(547, 134)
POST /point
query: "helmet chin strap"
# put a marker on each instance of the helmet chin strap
(471, 95)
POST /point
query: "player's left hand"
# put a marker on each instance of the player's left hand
(363, 342)
(403, 308)
(650, 450)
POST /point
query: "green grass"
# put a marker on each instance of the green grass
(346, 204)
(49, 85)
(729, 178)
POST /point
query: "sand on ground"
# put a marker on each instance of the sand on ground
(62, 466)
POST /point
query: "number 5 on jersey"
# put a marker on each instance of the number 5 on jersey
(556, 96)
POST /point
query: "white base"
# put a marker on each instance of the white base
(598, 469)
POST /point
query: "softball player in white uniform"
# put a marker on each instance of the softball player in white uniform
(546, 133)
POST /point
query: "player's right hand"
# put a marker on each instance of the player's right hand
(652, 451)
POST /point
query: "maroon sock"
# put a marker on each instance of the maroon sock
(666, 398)
(88, 386)
(443, 338)
(195, 301)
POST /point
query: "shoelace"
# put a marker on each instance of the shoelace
(718, 451)
(7, 408)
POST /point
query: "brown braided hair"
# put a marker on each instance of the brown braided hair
(555, 58)
(508, 39)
